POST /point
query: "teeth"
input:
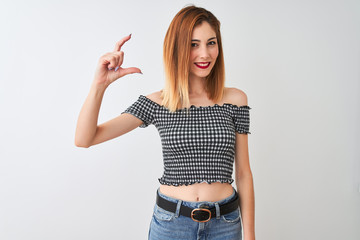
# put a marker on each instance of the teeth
(203, 64)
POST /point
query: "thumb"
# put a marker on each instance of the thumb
(130, 70)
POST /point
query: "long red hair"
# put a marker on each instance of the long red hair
(176, 56)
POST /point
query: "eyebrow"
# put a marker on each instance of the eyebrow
(197, 40)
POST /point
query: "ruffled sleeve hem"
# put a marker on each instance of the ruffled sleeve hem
(241, 116)
(142, 109)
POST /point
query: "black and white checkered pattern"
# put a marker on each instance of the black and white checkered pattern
(199, 145)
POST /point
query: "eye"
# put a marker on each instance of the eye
(193, 44)
(212, 43)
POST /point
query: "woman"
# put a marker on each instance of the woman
(203, 128)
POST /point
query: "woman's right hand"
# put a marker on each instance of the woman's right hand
(105, 71)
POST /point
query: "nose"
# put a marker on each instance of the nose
(204, 52)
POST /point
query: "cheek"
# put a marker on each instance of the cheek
(192, 58)
(192, 55)
(215, 53)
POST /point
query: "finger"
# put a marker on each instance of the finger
(120, 61)
(121, 42)
(130, 70)
(111, 60)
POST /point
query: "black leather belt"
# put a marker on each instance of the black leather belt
(201, 214)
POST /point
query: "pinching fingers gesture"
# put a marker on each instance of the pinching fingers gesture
(109, 66)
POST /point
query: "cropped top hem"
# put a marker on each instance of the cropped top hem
(193, 182)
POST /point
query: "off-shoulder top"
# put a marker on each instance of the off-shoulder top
(197, 146)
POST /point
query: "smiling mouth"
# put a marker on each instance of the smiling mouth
(203, 65)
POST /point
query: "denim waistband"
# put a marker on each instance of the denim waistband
(197, 204)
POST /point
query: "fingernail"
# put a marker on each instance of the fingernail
(116, 68)
(130, 35)
(140, 72)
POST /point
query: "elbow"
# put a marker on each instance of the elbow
(81, 144)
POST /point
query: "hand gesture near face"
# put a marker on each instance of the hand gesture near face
(109, 66)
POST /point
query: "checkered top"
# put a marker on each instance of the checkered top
(197, 146)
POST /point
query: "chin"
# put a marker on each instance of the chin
(200, 74)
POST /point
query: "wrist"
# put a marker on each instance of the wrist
(98, 87)
(97, 91)
(249, 236)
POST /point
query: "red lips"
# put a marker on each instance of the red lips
(204, 65)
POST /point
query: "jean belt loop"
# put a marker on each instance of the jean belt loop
(217, 210)
(178, 206)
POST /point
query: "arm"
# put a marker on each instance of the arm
(245, 188)
(243, 174)
(87, 132)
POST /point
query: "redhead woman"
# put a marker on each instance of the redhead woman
(203, 126)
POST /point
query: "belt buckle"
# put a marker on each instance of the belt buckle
(200, 209)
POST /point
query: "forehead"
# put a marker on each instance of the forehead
(203, 30)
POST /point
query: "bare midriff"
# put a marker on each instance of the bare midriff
(198, 192)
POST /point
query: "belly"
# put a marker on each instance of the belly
(198, 192)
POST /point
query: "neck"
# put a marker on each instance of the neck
(196, 85)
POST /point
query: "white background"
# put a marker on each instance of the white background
(298, 62)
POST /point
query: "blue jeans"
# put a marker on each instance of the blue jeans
(167, 225)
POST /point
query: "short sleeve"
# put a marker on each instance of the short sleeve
(241, 115)
(143, 109)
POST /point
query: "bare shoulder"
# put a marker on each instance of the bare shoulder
(155, 97)
(235, 96)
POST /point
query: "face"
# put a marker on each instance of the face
(204, 50)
